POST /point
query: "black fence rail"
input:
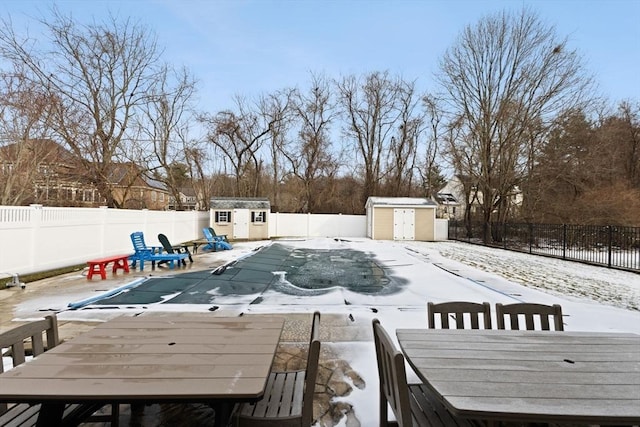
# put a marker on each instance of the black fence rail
(609, 246)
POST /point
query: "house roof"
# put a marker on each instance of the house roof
(239, 203)
(401, 201)
(46, 151)
(446, 199)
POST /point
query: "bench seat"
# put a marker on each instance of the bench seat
(99, 266)
(26, 415)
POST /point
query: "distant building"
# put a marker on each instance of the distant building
(448, 206)
(44, 172)
(188, 200)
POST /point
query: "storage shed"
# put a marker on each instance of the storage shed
(240, 218)
(401, 218)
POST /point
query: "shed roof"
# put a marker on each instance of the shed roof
(401, 201)
(239, 203)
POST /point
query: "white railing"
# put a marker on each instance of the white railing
(36, 238)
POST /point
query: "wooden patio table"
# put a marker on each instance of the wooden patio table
(534, 376)
(152, 359)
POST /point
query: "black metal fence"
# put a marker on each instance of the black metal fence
(610, 246)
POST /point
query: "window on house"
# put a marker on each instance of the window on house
(154, 196)
(259, 216)
(223, 216)
(161, 197)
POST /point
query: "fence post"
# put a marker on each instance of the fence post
(504, 235)
(564, 241)
(609, 243)
(530, 238)
(36, 222)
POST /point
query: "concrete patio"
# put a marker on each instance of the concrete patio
(19, 305)
(346, 392)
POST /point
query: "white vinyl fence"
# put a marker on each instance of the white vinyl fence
(331, 225)
(317, 225)
(36, 238)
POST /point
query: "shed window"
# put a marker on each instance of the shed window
(223, 216)
(259, 216)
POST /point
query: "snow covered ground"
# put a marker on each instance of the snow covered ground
(592, 298)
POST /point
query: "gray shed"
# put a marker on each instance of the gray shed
(240, 218)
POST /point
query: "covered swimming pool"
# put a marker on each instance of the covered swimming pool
(274, 268)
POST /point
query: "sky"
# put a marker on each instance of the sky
(255, 47)
(592, 298)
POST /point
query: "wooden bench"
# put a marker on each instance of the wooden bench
(24, 414)
(99, 265)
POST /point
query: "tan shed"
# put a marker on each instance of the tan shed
(401, 218)
(240, 218)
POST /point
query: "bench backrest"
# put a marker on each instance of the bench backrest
(460, 309)
(137, 239)
(534, 315)
(15, 338)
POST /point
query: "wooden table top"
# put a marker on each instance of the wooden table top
(153, 358)
(529, 375)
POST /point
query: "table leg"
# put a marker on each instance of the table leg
(223, 410)
(50, 414)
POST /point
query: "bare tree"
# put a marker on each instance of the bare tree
(164, 124)
(401, 159)
(239, 136)
(310, 157)
(25, 115)
(430, 171)
(99, 73)
(503, 74)
(276, 110)
(370, 108)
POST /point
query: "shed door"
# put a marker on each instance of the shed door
(404, 224)
(241, 223)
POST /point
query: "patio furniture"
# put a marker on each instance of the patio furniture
(458, 310)
(152, 359)
(222, 237)
(215, 242)
(25, 414)
(288, 397)
(99, 266)
(174, 249)
(529, 376)
(150, 253)
(533, 314)
(412, 404)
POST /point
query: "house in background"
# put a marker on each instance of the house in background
(133, 190)
(188, 200)
(452, 201)
(448, 206)
(44, 172)
(401, 218)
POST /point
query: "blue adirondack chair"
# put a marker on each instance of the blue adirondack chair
(215, 242)
(151, 253)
